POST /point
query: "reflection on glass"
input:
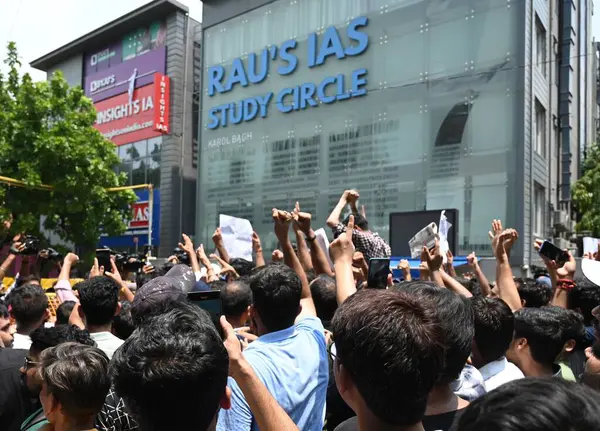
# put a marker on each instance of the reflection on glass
(138, 173)
(139, 150)
(437, 128)
(125, 152)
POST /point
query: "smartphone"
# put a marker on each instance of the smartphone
(103, 256)
(210, 302)
(554, 253)
(379, 269)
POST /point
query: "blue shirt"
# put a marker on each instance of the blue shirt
(292, 364)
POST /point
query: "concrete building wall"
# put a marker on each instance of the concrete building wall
(178, 177)
(72, 69)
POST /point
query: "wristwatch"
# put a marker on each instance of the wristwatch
(311, 239)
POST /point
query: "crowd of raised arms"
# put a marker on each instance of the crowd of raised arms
(303, 344)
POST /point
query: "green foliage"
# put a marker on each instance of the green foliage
(47, 137)
(586, 193)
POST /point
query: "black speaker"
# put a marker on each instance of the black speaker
(403, 226)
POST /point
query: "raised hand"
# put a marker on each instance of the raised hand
(351, 196)
(472, 260)
(282, 221)
(256, 245)
(277, 256)
(187, 245)
(302, 220)
(342, 249)
(218, 237)
(503, 242)
(71, 258)
(96, 270)
(433, 258)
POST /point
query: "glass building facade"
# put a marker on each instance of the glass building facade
(437, 128)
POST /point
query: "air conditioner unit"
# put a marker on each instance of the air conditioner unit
(561, 221)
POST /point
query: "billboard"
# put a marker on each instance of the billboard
(137, 114)
(137, 231)
(118, 79)
(143, 40)
(102, 59)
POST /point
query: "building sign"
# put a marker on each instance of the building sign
(144, 39)
(137, 230)
(161, 96)
(124, 119)
(116, 80)
(102, 59)
(320, 48)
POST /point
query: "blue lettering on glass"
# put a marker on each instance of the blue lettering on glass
(291, 59)
(331, 45)
(321, 90)
(238, 75)
(361, 39)
(306, 95)
(254, 76)
(215, 74)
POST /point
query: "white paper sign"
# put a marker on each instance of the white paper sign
(237, 236)
(323, 242)
(590, 245)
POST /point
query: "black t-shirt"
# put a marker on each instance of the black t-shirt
(441, 422)
(16, 405)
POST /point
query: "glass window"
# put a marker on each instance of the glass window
(437, 128)
(139, 150)
(126, 169)
(138, 172)
(153, 173)
(540, 46)
(540, 129)
(154, 145)
(539, 202)
(125, 152)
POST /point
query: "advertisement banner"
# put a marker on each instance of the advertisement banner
(102, 59)
(119, 79)
(137, 231)
(135, 115)
(162, 86)
(144, 39)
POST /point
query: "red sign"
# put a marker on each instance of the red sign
(141, 215)
(162, 87)
(133, 116)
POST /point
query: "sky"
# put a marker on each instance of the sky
(40, 26)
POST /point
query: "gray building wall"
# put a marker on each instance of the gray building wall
(72, 69)
(217, 11)
(178, 176)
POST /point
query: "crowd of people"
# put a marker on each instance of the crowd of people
(301, 344)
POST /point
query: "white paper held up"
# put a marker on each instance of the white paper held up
(323, 242)
(237, 236)
(590, 245)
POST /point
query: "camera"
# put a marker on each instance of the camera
(29, 246)
(51, 254)
(181, 255)
(129, 262)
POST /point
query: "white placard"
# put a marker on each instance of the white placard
(237, 236)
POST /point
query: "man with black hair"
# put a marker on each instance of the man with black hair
(75, 382)
(538, 340)
(243, 267)
(20, 384)
(455, 315)
(236, 298)
(123, 325)
(591, 373)
(99, 299)
(322, 290)
(534, 294)
(584, 297)
(370, 244)
(290, 355)
(63, 312)
(494, 327)
(28, 305)
(6, 330)
(572, 357)
(386, 376)
(534, 405)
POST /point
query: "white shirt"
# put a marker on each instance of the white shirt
(107, 342)
(21, 342)
(498, 372)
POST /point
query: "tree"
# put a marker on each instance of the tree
(47, 137)
(586, 193)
